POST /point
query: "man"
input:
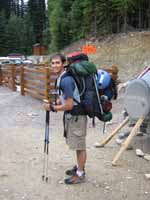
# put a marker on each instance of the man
(75, 126)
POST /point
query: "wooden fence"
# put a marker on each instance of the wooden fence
(39, 82)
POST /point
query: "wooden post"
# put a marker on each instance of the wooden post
(47, 74)
(1, 78)
(22, 91)
(128, 140)
(13, 74)
(109, 137)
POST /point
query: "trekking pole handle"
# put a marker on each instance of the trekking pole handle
(47, 117)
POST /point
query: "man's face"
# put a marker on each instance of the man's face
(57, 65)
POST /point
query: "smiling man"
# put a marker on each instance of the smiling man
(75, 125)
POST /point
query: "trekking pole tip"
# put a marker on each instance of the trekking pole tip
(43, 177)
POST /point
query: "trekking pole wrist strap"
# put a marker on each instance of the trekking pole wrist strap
(52, 107)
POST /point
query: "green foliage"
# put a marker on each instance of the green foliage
(37, 13)
(59, 22)
(3, 21)
(123, 7)
(18, 36)
(15, 30)
(29, 36)
(76, 15)
(66, 21)
(75, 19)
(89, 18)
(5, 7)
(104, 16)
(21, 27)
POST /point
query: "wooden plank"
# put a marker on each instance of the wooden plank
(40, 70)
(1, 76)
(22, 91)
(7, 71)
(51, 87)
(13, 75)
(128, 140)
(109, 137)
(37, 96)
(35, 83)
(4, 76)
(34, 89)
(6, 79)
(40, 65)
(8, 85)
(33, 77)
(5, 83)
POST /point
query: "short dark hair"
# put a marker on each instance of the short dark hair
(58, 55)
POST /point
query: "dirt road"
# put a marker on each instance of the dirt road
(22, 122)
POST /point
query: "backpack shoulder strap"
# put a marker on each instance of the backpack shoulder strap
(57, 82)
(57, 85)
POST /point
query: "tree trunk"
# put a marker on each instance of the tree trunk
(125, 23)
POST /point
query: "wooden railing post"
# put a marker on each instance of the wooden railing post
(13, 76)
(47, 76)
(22, 91)
(1, 77)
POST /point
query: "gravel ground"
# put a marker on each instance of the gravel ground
(22, 123)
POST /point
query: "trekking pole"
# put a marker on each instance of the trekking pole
(46, 149)
(104, 127)
(98, 98)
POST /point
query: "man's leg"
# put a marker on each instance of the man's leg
(80, 166)
(79, 176)
(81, 159)
(77, 141)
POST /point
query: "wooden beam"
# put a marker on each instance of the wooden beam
(22, 91)
(128, 140)
(35, 95)
(109, 137)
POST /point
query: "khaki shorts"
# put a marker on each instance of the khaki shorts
(76, 128)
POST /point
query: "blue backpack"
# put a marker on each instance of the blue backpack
(106, 85)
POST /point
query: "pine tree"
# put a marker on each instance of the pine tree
(59, 22)
(77, 20)
(37, 13)
(15, 35)
(5, 6)
(3, 21)
(90, 18)
(122, 10)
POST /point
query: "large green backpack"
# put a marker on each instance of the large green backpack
(83, 72)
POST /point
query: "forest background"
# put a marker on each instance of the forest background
(58, 23)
